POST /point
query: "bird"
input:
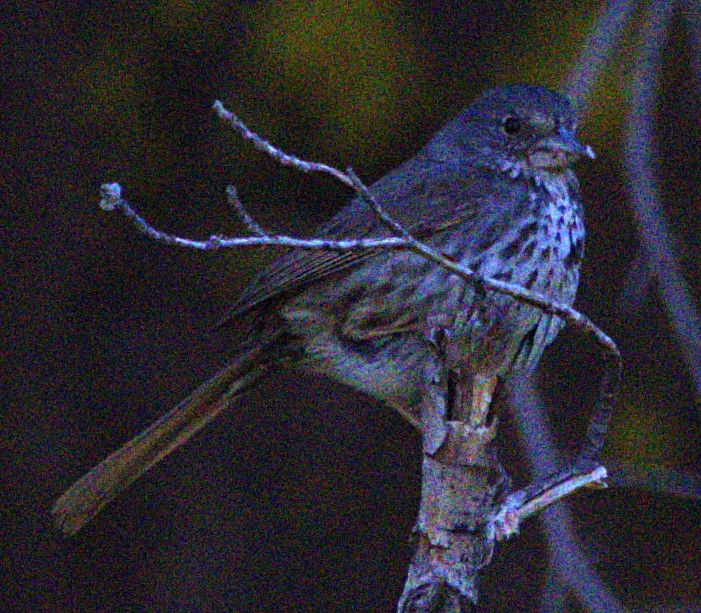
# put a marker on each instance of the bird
(494, 191)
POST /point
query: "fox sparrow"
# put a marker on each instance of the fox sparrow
(493, 190)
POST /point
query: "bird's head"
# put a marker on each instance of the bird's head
(515, 129)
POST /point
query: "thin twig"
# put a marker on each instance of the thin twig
(518, 507)
(370, 200)
(283, 158)
(233, 199)
(349, 178)
(112, 199)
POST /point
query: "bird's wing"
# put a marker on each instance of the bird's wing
(425, 196)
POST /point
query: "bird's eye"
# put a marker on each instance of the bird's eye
(511, 125)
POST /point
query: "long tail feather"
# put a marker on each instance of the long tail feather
(87, 496)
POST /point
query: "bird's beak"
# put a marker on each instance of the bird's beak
(559, 151)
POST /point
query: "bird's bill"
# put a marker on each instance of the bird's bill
(559, 151)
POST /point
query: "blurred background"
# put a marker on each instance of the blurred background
(304, 499)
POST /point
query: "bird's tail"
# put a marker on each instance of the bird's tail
(87, 496)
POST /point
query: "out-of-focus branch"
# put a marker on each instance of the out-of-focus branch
(653, 229)
(553, 596)
(567, 556)
(597, 50)
(691, 12)
(660, 480)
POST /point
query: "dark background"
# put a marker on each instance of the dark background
(304, 498)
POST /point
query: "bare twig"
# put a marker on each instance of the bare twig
(612, 373)
(112, 199)
(369, 199)
(519, 505)
(233, 199)
(283, 158)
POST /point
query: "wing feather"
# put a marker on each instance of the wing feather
(424, 195)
